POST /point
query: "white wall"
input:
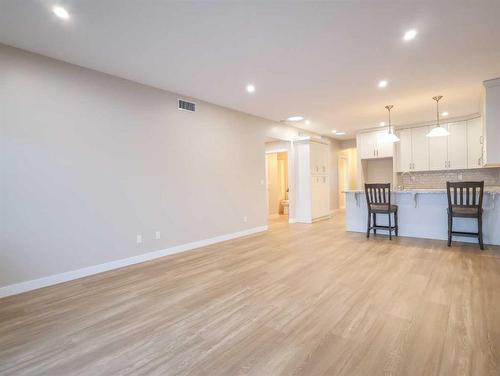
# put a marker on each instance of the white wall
(88, 161)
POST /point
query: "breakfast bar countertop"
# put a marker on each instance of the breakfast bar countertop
(487, 189)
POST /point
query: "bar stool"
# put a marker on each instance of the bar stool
(378, 201)
(465, 200)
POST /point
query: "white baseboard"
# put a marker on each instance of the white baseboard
(50, 280)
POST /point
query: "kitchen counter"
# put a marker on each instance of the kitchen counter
(423, 214)
(487, 189)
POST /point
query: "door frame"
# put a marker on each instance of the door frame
(291, 185)
(343, 176)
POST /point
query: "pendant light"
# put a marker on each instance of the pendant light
(438, 130)
(390, 136)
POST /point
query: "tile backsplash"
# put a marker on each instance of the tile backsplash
(438, 179)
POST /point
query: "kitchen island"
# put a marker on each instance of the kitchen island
(423, 214)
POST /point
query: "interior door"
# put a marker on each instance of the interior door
(420, 148)
(457, 145)
(438, 152)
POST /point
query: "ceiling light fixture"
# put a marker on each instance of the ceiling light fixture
(445, 113)
(340, 133)
(308, 122)
(438, 130)
(295, 118)
(382, 84)
(382, 124)
(60, 12)
(250, 88)
(390, 136)
(410, 34)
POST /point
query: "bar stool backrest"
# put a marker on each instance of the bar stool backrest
(378, 195)
(466, 194)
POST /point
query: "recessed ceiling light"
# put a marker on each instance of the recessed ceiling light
(308, 122)
(295, 118)
(341, 133)
(410, 34)
(445, 113)
(334, 131)
(382, 83)
(251, 88)
(382, 123)
(60, 12)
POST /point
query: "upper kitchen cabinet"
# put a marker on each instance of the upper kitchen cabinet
(449, 152)
(457, 145)
(491, 123)
(438, 152)
(413, 149)
(370, 145)
(474, 143)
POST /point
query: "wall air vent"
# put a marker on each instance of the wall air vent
(186, 106)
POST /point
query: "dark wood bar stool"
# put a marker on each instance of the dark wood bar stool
(378, 201)
(465, 200)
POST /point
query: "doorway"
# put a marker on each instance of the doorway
(277, 184)
(343, 179)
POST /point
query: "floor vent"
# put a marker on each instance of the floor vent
(186, 106)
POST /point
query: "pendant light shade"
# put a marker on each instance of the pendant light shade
(438, 130)
(389, 136)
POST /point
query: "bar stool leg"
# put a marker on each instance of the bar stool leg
(396, 220)
(375, 223)
(390, 227)
(450, 228)
(368, 225)
(480, 232)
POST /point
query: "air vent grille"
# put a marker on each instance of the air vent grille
(186, 106)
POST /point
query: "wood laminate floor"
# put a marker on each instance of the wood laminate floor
(297, 300)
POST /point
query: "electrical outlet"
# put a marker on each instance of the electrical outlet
(245, 219)
(460, 176)
(261, 181)
(157, 235)
(139, 239)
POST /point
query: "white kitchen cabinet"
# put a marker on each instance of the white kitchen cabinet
(474, 143)
(449, 152)
(413, 149)
(438, 152)
(319, 158)
(404, 147)
(420, 148)
(371, 146)
(457, 145)
(491, 123)
(312, 180)
(366, 145)
(319, 192)
(384, 149)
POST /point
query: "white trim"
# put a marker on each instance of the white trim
(54, 279)
(492, 82)
(277, 151)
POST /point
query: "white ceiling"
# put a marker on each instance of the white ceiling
(320, 60)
